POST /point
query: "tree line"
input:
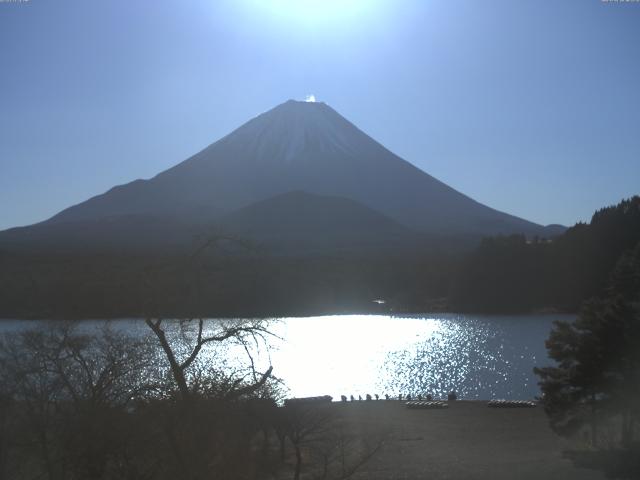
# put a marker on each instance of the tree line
(516, 274)
(502, 274)
(49, 285)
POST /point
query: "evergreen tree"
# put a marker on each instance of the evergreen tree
(597, 375)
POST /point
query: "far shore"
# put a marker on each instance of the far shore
(270, 315)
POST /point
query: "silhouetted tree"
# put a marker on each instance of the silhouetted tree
(238, 330)
(323, 445)
(513, 273)
(67, 394)
(598, 359)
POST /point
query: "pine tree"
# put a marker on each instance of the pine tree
(597, 374)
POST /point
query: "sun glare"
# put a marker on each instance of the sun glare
(315, 12)
(311, 98)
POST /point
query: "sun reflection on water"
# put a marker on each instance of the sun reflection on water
(479, 356)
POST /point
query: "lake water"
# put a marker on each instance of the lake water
(480, 356)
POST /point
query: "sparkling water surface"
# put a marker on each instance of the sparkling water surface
(478, 356)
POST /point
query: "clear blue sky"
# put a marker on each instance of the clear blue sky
(531, 107)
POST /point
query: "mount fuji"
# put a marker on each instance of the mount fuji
(334, 170)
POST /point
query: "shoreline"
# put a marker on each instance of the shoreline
(468, 440)
(402, 314)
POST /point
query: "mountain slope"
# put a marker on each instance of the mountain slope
(298, 222)
(300, 146)
(116, 233)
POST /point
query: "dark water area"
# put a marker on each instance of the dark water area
(479, 356)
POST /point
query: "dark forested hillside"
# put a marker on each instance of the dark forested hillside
(503, 274)
(219, 284)
(517, 274)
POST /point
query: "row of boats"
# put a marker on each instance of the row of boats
(417, 403)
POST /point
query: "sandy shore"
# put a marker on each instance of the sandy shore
(466, 441)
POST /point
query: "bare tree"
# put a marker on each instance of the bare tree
(306, 424)
(239, 331)
(343, 454)
(318, 434)
(68, 394)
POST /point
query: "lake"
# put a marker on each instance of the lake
(480, 356)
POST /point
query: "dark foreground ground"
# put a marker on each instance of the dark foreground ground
(466, 441)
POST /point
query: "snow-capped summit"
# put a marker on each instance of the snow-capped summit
(299, 146)
(286, 132)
